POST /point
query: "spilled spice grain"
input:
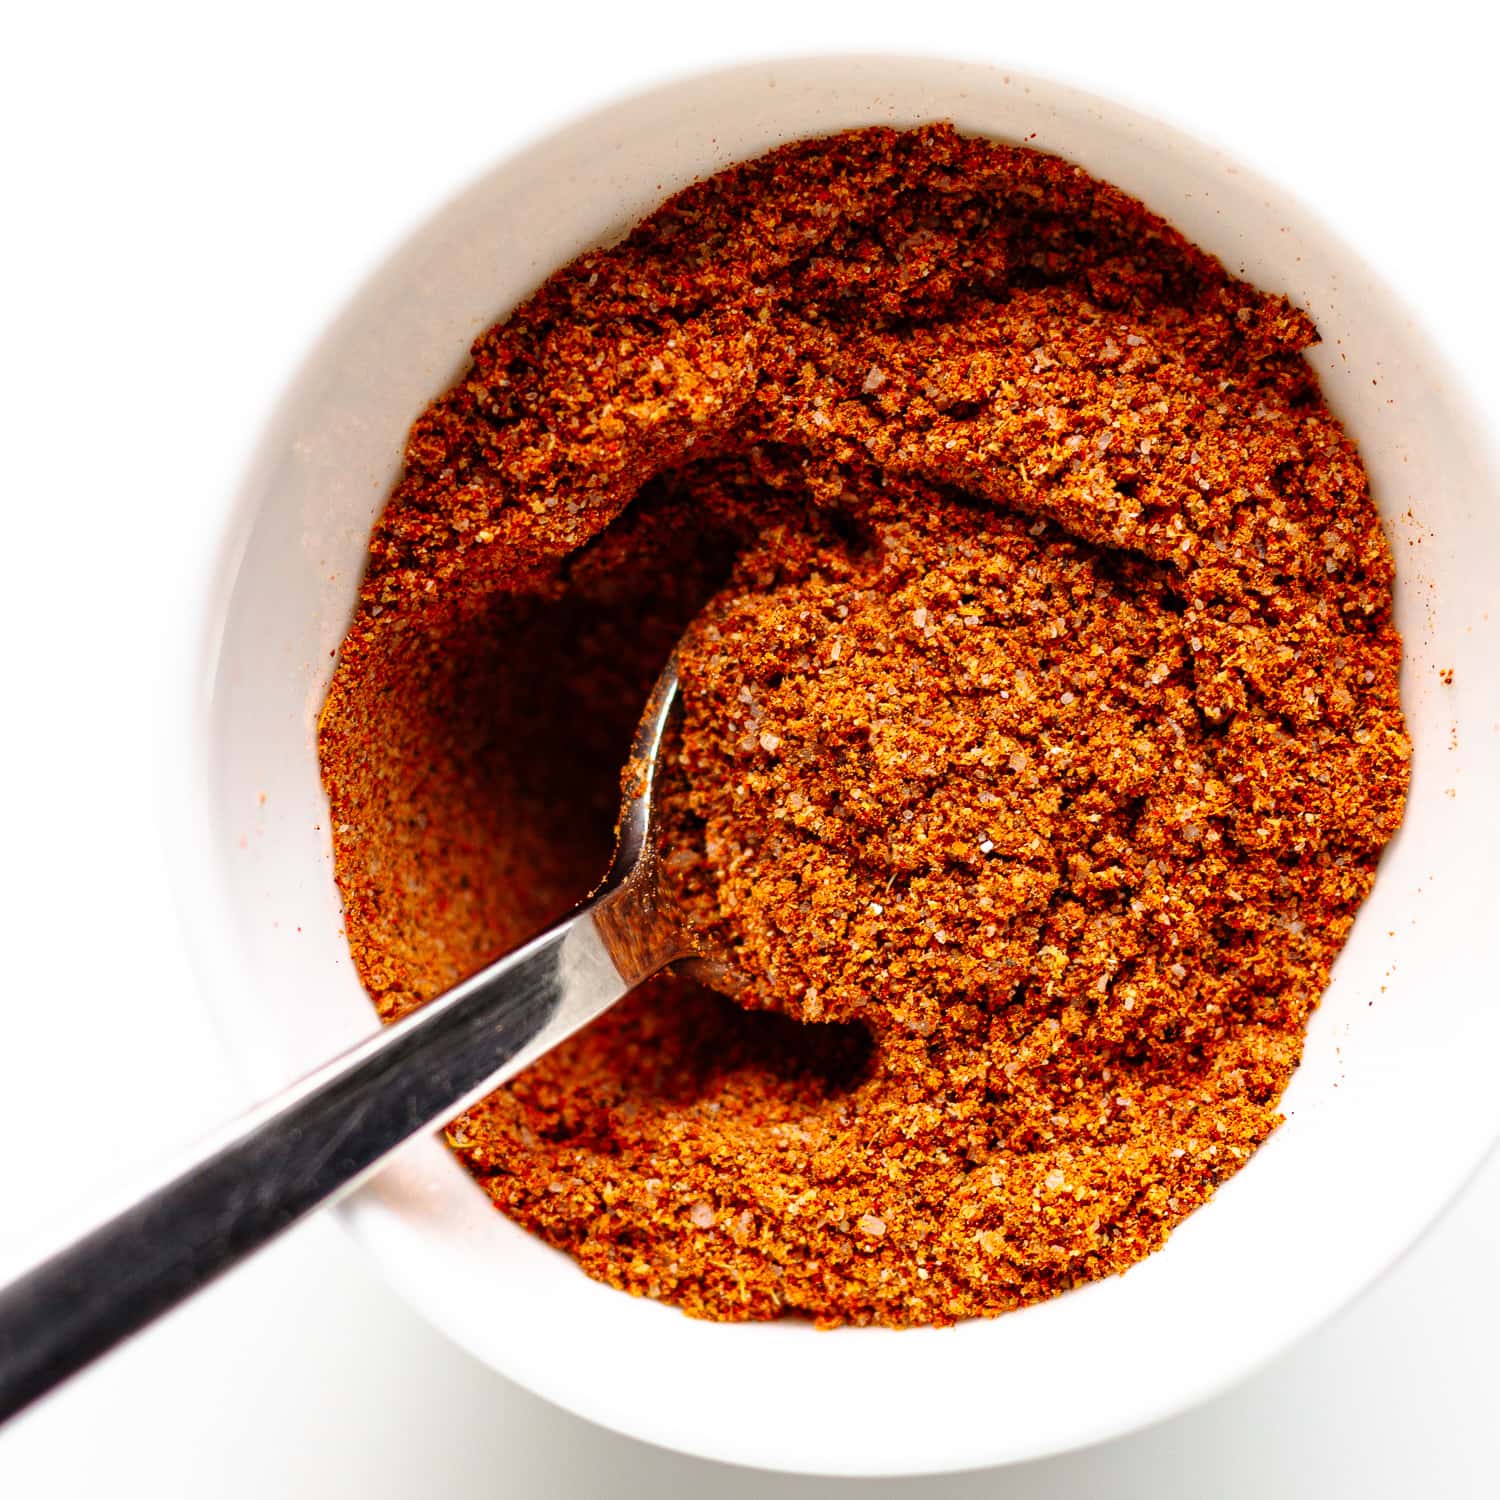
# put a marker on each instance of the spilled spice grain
(1040, 734)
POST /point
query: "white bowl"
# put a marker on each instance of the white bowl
(1395, 1102)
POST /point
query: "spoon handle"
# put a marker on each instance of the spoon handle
(318, 1138)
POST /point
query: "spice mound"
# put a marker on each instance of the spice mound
(1040, 727)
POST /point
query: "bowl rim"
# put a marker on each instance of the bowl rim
(204, 902)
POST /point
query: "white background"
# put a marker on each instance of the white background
(188, 195)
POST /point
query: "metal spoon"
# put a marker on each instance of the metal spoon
(327, 1132)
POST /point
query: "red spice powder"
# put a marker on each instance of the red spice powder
(1040, 736)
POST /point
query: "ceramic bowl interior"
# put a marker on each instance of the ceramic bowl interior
(1395, 1101)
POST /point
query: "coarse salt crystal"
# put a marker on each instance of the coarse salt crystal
(769, 741)
(985, 845)
(702, 1214)
(1054, 1180)
(1177, 971)
(872, 1225)
(874, 379)
(876, 907)
(919, 618)
(1066, 698)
